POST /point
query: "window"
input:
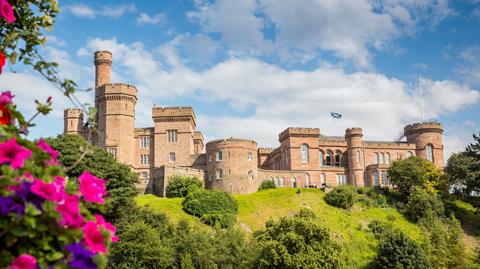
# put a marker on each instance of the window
(430, 152)
(210, 178)
(277, 182)
(144, 141)
(209, 158)
(144, 159)
(250, 156)
(219, 173)
(320, 157)
(322, 179)
(382, 158)
(286, 155)
(376, 159)
(144, 176)
(250, 174)
(218, 156)
(375, 178)
(329, 158)
(307, 181)
(112, 151)
(171, 157)
(281, 183)
(172, 136)
(304, 150)
(387, 158)
(358, 156)
(294, 182)
(337, 158)
(341, 179)
(385, 179)
(409, 154)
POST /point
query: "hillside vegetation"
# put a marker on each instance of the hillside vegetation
(348, 227)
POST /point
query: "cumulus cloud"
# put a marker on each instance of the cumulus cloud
(88, 12)
(155, 19)
(118, 11)
(81, 10)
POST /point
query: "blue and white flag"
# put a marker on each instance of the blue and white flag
(336, 115)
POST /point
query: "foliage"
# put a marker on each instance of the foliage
(380, 228)
(407, 174)
(342, 197)
(119, 177)
(424, 206)
(213, 207)
(397, 250)
(298, 242)
(46, 219)
(371, 197)
(267, 184)
(181, 186)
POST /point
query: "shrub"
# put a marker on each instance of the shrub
(306, 213)
(267, 184)
(397, 250)
(380, 228)
(342, 197)
(181, 186)
(423, 206)
(213, 203)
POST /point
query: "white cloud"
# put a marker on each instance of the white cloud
(470, 69)
(118, 11)
(155, 19)
(81, 10)
(113, 11)
(56, 41)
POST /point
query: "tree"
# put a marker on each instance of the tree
(342, 197)
(181, 186)
(120, 178)
(424, 206)
(298, 242)
(267, 184)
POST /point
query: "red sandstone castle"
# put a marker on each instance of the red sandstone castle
(305, 157)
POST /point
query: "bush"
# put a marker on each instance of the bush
(342, 197)
(396, 250)
(212, 204)
(423, 206)
(267, 184)
(380, 228)
(181, 186)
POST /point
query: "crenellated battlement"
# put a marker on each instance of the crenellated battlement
(117, 89)
(423, 127)
(174, 111)
(354, 131)
(197, 135)
(102, 56)
(73, 113)
(299, 132)
(265, 150)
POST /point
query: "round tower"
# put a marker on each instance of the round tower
(427, 137)
(72, 121)
(232, 165)
(354, 136)
(103, 62)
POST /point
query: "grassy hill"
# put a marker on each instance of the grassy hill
(348, 227)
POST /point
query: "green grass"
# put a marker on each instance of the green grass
(348, 227)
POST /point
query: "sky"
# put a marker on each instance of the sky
(252, 68)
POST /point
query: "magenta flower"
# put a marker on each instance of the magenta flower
(6, 97)
(13, 154)
(6, 11)
(108, 226)
(54, 191)
(94, 238)
(24, 261)
(70, 211)
(46, 148)
(92, 188)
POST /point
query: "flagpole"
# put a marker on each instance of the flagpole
(421, 97)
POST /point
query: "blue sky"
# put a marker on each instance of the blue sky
(251, 68)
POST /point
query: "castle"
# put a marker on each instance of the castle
(305, 157)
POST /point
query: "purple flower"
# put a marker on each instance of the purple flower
(8, 205)
(82, 258)
(25, 193)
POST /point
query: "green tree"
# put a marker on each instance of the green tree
(342, 197)
(424, 206)
(181, 186)
(298, 242)
(119, 177)
(267, 184)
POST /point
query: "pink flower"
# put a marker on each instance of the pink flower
(5, 97)
(94, 238)
(24, 261)
(46, 148)
(92, 188)
(108, 226)
(6, 11)
(13, 154)
(54, 192)
(70, 211)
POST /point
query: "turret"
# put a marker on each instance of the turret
(427, 137)
(103, 62)
(353, 136)
(72, 121)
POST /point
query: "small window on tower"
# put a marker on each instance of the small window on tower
(219, 173)
(112, 151)
(250, 156)
(172, 136)
(219, 156)
(171, 157)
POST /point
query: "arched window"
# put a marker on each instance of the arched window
(320, 157)
(219, 173)
(376, 159)
(277, 181)
(385, 179)
(322, 179)
(304, 149)
(338, 155)
(375, 178)
(358, 156)
(387, 158)
(430, 152)
(218, 156)
(409, 154)
(307, 181)
(382, 158)
(294, 182)
(171, 157)
(250, 174)
(250, 156)
(282, 182)
(329, 158)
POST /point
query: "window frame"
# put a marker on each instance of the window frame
(304, 153)
(170, 159)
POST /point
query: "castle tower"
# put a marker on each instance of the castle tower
(103, 61)
(353, 136)
(293, 141)
(72, 121)
(198, 142)
(427, 137)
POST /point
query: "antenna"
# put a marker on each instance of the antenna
(421, 96)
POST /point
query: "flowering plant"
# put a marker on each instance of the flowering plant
(46, 220)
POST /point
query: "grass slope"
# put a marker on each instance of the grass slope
(348, 227)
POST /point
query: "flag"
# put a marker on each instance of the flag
(336, 115)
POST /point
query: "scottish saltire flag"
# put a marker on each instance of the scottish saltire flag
(336, 115)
